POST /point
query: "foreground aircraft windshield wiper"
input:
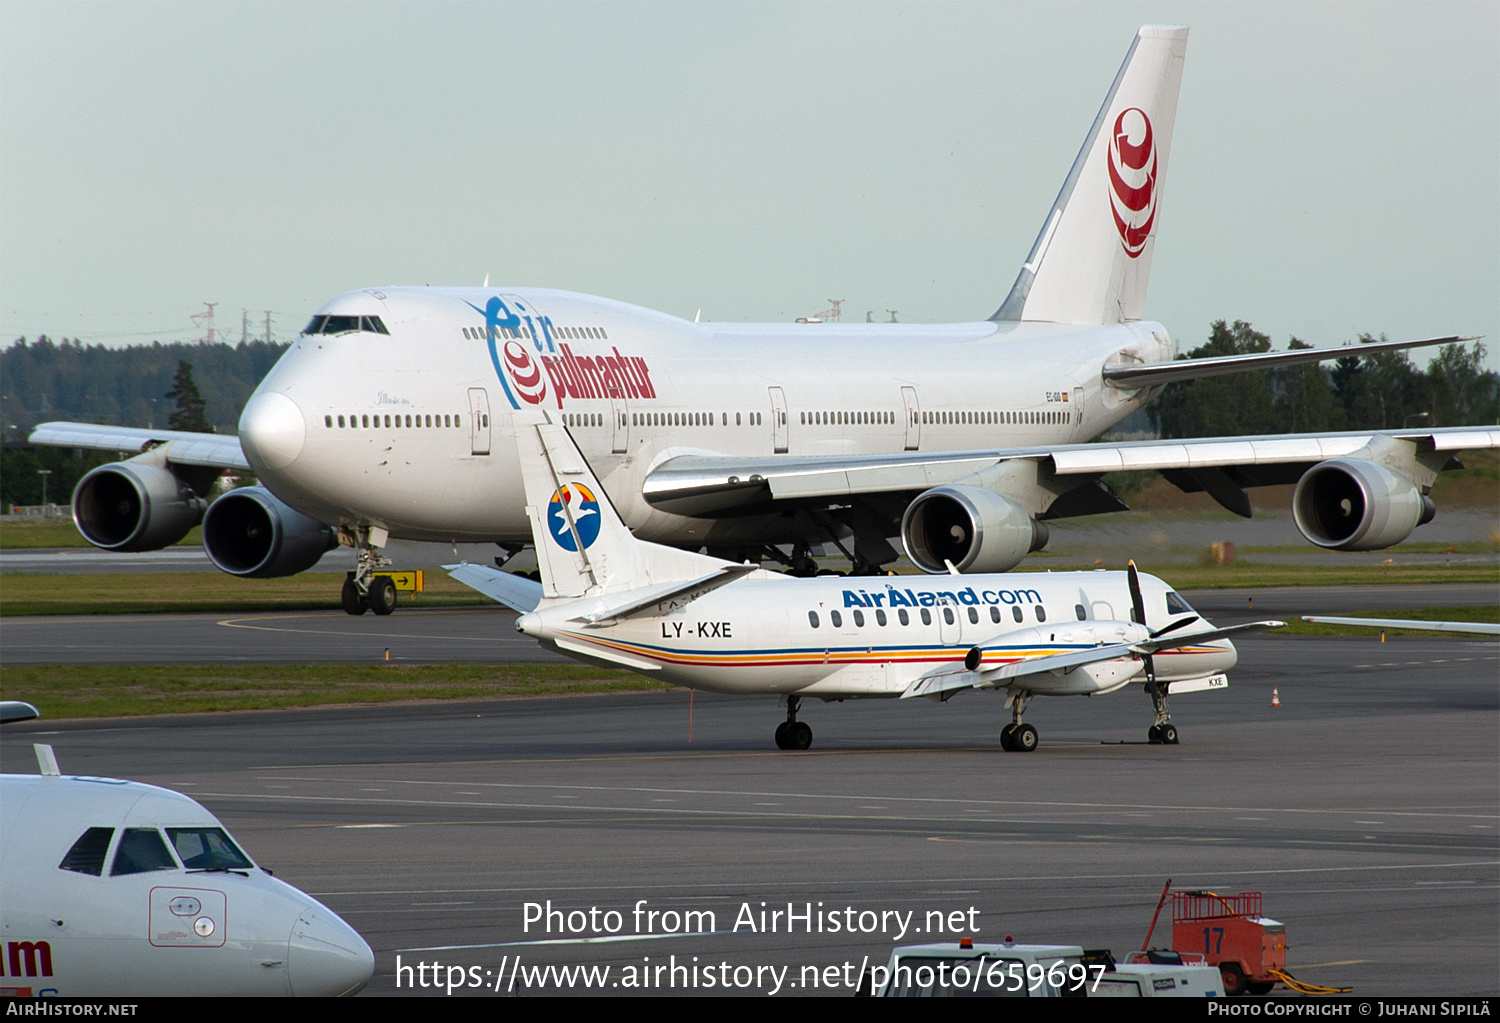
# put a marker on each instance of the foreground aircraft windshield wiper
(395, 413)
(117, 889)
(609, 598)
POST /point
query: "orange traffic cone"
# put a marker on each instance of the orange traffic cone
(1275, 697)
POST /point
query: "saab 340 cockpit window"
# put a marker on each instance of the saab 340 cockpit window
(1177, 606)
(87, 854)
(346, 325)
(207, 849)
(141, 850)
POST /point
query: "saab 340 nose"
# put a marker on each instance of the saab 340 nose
(272, 431)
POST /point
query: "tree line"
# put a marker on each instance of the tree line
(43, 380)
(1383, 391)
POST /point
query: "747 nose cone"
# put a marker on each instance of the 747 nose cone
(272, 431)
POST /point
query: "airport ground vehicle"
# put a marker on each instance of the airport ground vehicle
(967, 968)
(1248, 948)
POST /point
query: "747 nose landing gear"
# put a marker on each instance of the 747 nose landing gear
(363, 589)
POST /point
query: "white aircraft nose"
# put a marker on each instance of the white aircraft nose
(272, 430)
(326, 957)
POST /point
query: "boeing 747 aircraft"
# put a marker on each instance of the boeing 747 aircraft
(394, 413)
(609, 598)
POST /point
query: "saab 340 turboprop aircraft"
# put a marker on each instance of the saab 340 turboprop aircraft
(701, 622)
(394, 413)
(117, 889)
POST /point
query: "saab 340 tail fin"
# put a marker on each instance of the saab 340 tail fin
(582, 547)
(1092, 260)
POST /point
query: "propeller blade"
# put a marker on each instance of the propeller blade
(1190, 619)
(1137, 603)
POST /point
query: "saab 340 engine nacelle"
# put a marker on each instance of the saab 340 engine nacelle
(974, 529)
(1349, 504)
(249, 533)
(135, 506)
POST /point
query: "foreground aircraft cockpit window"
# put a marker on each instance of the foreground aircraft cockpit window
(141, 850)
(87, 854)
(207, 849)
(345, 325)
(1176, 605)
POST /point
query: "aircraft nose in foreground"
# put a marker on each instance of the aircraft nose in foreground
(272, 430)
(326, 957)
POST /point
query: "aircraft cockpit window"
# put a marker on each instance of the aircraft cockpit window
(1176, 605)
(141, 850)
(340, 324)
(87, 854)
(207, 849)
(346, 325)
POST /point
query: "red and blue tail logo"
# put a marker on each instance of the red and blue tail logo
(581, 504)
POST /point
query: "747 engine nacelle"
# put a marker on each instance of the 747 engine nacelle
(249, 533)
(975, 529)
(135, 506)
(1349, 504)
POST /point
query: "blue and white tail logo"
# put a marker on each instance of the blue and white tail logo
(584, 507)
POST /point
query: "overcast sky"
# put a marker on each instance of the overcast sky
(1335, 168)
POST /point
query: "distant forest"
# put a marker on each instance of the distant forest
(1372, 392)
(45, 380)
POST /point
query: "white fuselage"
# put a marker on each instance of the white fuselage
(873, 636)
(85, 913)
(410, 429)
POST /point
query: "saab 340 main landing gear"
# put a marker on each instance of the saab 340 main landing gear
(1018, 737)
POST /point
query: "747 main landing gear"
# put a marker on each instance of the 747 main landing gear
(1018, 737)
(791, 733)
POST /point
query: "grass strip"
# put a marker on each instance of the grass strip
(147, 592)
(74, 691)
(48, 533)
(1478, 613)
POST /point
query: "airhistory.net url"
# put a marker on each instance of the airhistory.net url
(668, 974)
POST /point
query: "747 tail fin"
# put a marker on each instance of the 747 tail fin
(1092, 260)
